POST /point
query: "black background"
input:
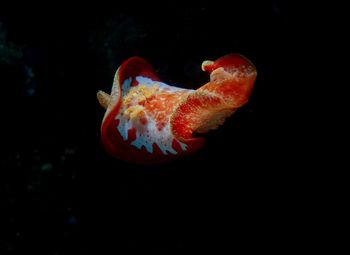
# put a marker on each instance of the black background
(62, 194)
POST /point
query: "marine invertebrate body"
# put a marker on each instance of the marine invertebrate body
(148, 121)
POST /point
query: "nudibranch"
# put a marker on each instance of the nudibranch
(148, 121)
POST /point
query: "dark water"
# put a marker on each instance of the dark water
(62, 194)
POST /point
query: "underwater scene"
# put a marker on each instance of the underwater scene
(146, 128)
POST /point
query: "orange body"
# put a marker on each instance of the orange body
(147, 121)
